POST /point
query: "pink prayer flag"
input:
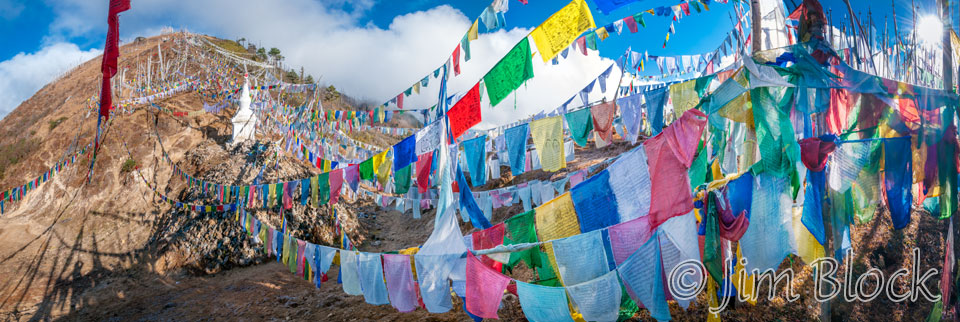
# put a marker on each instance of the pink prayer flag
(300, 248)
(287, 198)
(336, 181)
(400, 285)
(456, 61)
(582, 45)
(576, 178)
(631, 23)
(627, 237)
(484, 288)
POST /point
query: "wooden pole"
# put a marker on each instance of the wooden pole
(948, 86)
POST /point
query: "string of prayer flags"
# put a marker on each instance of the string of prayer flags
(547, 134)
(563, 27)
(509, 73)
(466, 112)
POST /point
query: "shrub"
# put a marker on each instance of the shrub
(55, 123)
(128, 165)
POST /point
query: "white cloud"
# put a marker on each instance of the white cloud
(24, 74)
(362, 60)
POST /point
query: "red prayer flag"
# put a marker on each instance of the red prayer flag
(400, 101)
(582, 45)
(456, 61)
(465, 113)
(424, 162)
(111, 51)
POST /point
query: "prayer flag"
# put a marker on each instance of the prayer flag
(508, 74)
(562, 28)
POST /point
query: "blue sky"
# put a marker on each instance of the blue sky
(370, 48)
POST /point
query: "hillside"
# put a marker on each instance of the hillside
(112, 249)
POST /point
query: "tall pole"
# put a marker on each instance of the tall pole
(948, 86)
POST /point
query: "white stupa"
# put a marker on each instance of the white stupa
(244, 122)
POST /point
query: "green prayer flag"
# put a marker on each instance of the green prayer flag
(521, 229)
(401, 180)
(711, 246)
(776, 142)
(581, 125)
(698, 169)
(366, 169)
(279, 190)
(639, 18)
(323, 181)
(508, 74)
(592, 40)
(465, 45)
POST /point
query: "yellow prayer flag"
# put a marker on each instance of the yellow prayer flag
(472, 33)
(547, 134)
(416, 87)
(562, 28)
(384, 171)
(684, 97)
(377, 160)
(807, 246)
(748, 284)
(557, 219)
(602, 34)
